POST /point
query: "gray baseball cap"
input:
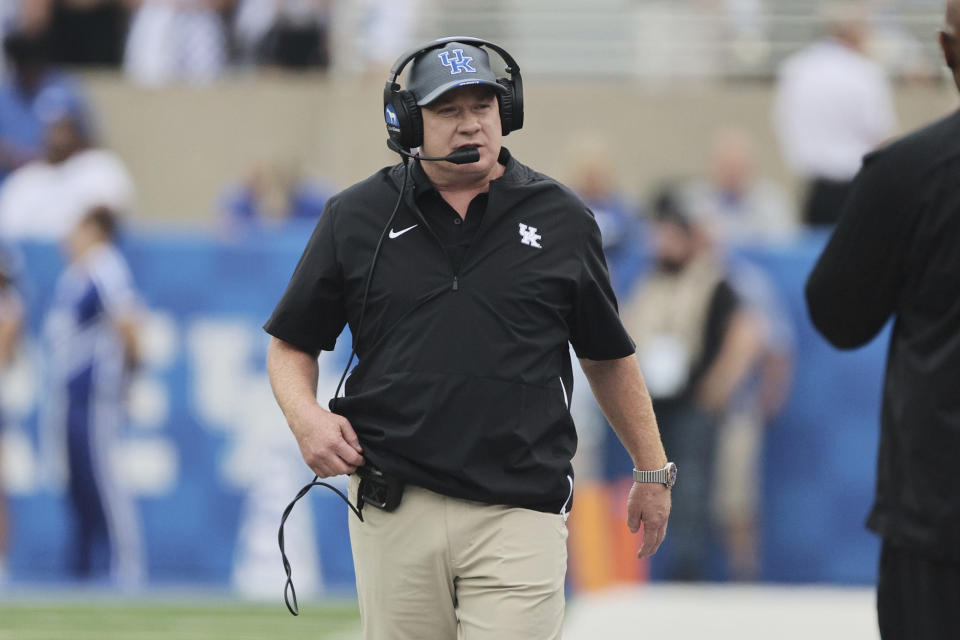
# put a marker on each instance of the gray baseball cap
(455, 65)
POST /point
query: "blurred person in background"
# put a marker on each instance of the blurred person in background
(739, 206)
(832, 106)
(742, 210)
(10, 20)
(92, 336)
(11, 323)
(460, 398)
(384, 29)
(30, 95)
(697, 343)
(176, 41)
(43, 199)
(82, 32)
(896, 254)
(291, 34)
(742, 426)
(273, 195)
(592, 175)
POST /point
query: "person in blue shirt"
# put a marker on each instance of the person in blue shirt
(273, 195)
(30, 92)
(623, 228)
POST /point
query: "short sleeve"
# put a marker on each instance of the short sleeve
(596, 332)
(723, 304)
(311, 314)
(111, 276)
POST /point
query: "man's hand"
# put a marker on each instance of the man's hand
(648, 505)
(328, 443)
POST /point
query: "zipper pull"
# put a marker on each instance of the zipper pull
(456, 283)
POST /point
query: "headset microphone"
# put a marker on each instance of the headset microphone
(466, 155)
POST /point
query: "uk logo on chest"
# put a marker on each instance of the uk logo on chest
(530, 237)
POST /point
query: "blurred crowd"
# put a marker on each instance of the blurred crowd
(714, 340)
(157, 42)
(161, 41)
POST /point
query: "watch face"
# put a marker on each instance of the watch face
(671, 474)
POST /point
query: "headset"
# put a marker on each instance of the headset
(407, 131)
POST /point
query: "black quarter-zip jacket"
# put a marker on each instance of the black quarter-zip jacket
(464, 377)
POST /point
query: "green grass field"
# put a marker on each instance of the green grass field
(138, 620)
(722, 612)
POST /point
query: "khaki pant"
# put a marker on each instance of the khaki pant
(439, 568)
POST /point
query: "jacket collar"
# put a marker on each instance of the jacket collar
(506, 192)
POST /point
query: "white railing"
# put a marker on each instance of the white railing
(729, 39)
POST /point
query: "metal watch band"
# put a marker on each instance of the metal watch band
(666, 476)
(659, 476)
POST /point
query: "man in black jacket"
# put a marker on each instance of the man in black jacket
(896, 252)
(483, 273)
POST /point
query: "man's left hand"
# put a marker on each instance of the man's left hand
(648, 505)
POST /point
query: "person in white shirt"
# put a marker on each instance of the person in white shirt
(176, 41)
(44, 199)
(832, 106)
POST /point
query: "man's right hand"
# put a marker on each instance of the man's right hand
(328, 443)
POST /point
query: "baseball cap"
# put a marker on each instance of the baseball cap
(455, 65)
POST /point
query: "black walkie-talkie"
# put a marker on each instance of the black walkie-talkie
(379, 490)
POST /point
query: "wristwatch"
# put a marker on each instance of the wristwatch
(666, 476)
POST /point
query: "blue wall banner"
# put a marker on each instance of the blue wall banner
(212, 464)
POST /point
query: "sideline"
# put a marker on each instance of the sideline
(724, 612)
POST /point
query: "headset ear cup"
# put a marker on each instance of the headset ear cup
(516, 118)
(409, 118)
(511, 104)
(506, 106)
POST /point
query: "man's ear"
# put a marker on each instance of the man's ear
(946, 44)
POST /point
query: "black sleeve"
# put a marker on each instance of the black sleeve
(596, 332)
(723, 304)
(854, 286)
(311, 313)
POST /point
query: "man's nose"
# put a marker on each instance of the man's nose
(470, 123)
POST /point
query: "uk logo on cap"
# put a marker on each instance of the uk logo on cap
(458, 63)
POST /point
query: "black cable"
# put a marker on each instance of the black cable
(288, 589)
(366, 286)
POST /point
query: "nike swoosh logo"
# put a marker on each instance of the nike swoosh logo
(397, 234)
